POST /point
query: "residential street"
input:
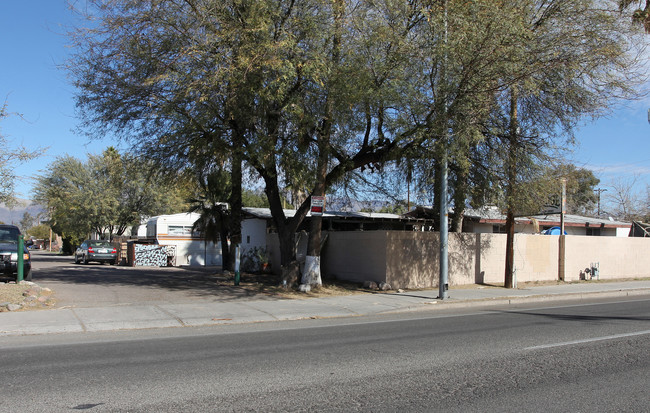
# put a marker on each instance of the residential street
(544, 349)
(583, 357)
(325, 206)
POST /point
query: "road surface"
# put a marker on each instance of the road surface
(582, 357)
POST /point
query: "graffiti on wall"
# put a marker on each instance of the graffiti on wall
(171, 254)
(150, 255)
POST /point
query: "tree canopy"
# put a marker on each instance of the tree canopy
(305, 93)
(9, 158)
(106, 194)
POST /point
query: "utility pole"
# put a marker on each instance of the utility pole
(562, 205)
(444, 208)
(562, 238)
(599, 190)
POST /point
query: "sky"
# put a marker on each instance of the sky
(34, 46)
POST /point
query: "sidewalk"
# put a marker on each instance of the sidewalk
(92, 319)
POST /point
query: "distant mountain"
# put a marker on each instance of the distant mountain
(15, 215)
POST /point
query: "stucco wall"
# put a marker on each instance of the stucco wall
(617, 257)
(402, 259)
(535, 258)
(410, 259)
(355, 256)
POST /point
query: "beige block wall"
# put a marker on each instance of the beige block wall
(618, 257)
(464, 258)
(490, 258)
(536, 257)
(402, 259)
(410, 259)
(356, 256)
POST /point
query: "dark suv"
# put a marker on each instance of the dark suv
(9, 253)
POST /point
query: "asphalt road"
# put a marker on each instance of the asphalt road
(585, 357)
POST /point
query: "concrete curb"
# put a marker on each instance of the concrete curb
(205, 314)
(501, 301)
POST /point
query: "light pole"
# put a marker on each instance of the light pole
(443, 282)
(599, 190)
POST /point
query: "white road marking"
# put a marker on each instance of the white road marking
(588, 340)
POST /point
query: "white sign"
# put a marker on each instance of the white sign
(317, 205)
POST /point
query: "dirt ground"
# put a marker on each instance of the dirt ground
(269, 284)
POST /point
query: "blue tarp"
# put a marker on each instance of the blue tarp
(553, 231)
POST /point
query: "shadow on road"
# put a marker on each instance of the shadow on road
(583, 318)
(186, 281)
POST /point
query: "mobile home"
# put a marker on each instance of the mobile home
(184, 246)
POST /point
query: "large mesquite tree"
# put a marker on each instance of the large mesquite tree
(305, 92)
(280, 85)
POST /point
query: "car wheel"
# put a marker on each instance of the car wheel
(28, 276)
(76, 259)
(85, 259)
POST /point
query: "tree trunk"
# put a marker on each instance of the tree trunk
(460, 195)
(235, 201)
(226, 262)
(286, 227)
(437, 172)
(312, 274)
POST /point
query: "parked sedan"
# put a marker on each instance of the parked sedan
(100, 251)
(9, 253)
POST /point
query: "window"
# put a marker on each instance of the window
(9, 234)
(498, 229)
(185, 230)
(595, 232)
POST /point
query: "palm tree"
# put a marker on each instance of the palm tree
(214, 220)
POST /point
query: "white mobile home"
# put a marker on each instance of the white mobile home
(187, 248)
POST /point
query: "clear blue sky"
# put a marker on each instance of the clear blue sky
(34, 45)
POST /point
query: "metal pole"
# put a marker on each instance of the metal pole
(21, 260)
(444, 210)
(563, 206)
(562, 239)
(444, 233)
(599, 190)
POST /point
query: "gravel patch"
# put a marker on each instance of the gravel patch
(25, 295)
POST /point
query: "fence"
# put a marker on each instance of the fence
(411, 259)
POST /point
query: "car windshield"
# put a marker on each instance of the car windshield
(100, 244)
(9, 234)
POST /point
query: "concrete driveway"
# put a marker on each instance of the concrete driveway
(101, 285)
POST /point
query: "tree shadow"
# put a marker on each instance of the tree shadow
(582, 318)
(413, 259)
(199, 282)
